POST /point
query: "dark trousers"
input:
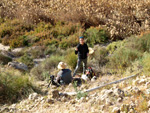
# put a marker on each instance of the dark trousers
(78, 65)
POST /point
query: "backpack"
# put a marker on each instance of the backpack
(90, 73)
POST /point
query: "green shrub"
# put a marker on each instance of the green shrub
(71, 59)
(139, 43)
(80, 93)
(26, 59)
(4, 59)
(47, 66)
(19, 42)
(123, 58)
(115, 45)
(14, 85)
(101, 56)
(145, 62)
(64, 44)
(50, 50)
(96, 35)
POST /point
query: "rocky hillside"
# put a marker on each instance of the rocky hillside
(121, 17)
(131, 96)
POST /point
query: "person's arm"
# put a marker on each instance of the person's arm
(87, 51)
(76, 49)
(58, 77)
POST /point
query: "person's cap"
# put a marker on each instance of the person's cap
(62, 65)
(81, 37)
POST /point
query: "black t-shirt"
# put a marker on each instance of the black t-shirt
(82, 51)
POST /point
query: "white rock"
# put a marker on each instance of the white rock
(142, 81)
(108, 102)
(33, 96)
(119, 100)
(42, 98)
(116, 110)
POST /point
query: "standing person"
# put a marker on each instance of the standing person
(83, 52)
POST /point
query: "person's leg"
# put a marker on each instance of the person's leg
(77, 67)
(84, 65)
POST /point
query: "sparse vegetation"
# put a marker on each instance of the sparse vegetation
(4, 59)
(71, 59)
(48, 66)
(26, 59)
(14, 85)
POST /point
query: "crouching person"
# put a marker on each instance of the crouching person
(63, 76)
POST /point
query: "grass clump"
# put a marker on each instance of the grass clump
(14, 85)
(123, 58)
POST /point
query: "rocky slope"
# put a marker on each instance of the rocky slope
(131, 96)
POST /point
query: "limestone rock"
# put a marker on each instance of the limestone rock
(33, 96)
(116, 110)
(136, 90)
(119, 92)
(142, 81)
(119, 100)
(18, 65)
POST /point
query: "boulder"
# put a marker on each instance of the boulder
(8, 54)
(18, 65)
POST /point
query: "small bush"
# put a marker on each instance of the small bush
(37, 52)
(50, 50)
(96, 36)
(19, 42)
(26, 59)
(101, 56)
(123, 58)
(114, 46)
(145, 62)
(71, 59)
(46, 66)
(80, 93)
(4, 59)
(139, 43)
(15, 85)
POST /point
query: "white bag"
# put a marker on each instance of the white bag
(84, 77)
